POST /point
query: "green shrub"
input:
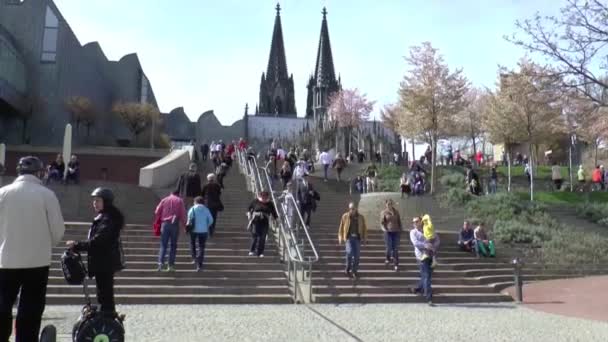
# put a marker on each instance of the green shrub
(594, 212)
(454, 197)
(518, 231)
(568, 247)
(452, 180)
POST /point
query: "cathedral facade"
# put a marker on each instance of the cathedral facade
(277, 94)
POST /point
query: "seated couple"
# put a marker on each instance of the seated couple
(476, 240)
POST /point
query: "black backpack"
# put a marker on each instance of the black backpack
(73, 268)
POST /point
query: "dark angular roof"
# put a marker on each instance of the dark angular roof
(277, 63)
(324, 69)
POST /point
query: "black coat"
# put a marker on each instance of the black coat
(212, 193)
(103, 247)
(307, 196)
(189, 184)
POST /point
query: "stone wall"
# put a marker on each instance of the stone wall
(165, 172)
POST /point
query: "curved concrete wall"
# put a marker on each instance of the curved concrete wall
(164, 172)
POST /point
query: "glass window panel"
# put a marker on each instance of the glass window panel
(49, 43)
(48, 56)
(51, 18)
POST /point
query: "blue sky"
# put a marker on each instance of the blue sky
(203, 54)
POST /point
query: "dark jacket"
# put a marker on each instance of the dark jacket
(189, 184)
(307, 196)
(266, 209)
(103, 247)
(212, 192)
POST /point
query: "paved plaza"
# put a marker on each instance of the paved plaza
(383, 322)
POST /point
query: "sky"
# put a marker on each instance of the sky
(209, 55)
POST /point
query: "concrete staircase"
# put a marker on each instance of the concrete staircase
(229, 277)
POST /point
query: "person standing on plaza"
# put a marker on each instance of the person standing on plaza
(205, 151)
(325, 160)
(189, 185)
(200, 219)
(172, 214)
(390, 222)
(352, 232)
(104, 249)
(426, 271)
(493, 185)
(31, 224)
(556, 176)
(259, 212)
(212, 193)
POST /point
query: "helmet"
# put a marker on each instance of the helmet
(105, 194)
(73, 268)
(29, 165)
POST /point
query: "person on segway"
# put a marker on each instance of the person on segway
(103, 247)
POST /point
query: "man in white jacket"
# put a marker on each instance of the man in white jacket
(30, 225)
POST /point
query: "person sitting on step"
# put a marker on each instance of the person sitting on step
(485, 246)
(466, 238)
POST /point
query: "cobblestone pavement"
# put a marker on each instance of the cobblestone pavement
(387, 322)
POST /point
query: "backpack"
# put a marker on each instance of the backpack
(73, 268)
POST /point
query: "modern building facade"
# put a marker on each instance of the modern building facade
(42, 65)
(277, 96)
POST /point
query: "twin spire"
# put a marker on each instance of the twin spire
(276, 88)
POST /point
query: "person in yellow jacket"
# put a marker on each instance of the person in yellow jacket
(429, 234)
(352, 232)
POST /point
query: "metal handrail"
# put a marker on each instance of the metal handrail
(289, 249)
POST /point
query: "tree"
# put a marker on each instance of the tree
(430, 97)
(83, 112)
(468, 121)
(574, 41)
(137, 116)
(532, 96)
(347, 109)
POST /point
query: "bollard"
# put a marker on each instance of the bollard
(518, 280)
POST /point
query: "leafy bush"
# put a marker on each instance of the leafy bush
(452, 180)
(568, 247)
(454, 197)
(518, 231)
(594, 212)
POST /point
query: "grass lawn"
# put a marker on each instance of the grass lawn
(542, 172)
(562, 197)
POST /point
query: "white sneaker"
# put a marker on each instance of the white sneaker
(250, 253)
(261, 255)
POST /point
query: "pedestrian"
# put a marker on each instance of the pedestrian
(339, 164)
(259, 212)
(205, 151)
(352, 232)
(104, 249)
(556, 176)
(325, 159)
(221, 172)
(31, 224)
(492, 187)
(307, 198)
(172, 214)
(426, 271)
(285, 174)
(270, 168)
(199, 219)
(390, 222)
(580, 175)
(371, 172)
(189, 185)
(212, 194)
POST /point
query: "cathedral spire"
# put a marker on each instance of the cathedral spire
(277, 63)
(324, 68)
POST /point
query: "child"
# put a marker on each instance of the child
(429, 235)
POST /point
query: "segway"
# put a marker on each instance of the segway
(92, 325)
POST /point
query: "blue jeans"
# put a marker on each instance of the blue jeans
(353, 252)
(391, 241)
(198, 254)
(325, 168)
(492, 186)
(168, 232)
(426, 276)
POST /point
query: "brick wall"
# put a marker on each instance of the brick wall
(122, 169)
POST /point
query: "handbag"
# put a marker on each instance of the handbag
(156, 225)
(190, 226)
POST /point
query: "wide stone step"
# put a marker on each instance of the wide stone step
(190, 272)
(194, 280)
(158, 289)
(411, 298)
(184, 250)
(400, 289)
(177, 299)
(208, 265)
(375, 272)
(209, 258)
(395, 279)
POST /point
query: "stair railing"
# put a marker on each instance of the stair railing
(293, 238)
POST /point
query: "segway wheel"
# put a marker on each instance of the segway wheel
(48, 334)
(98, 328)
